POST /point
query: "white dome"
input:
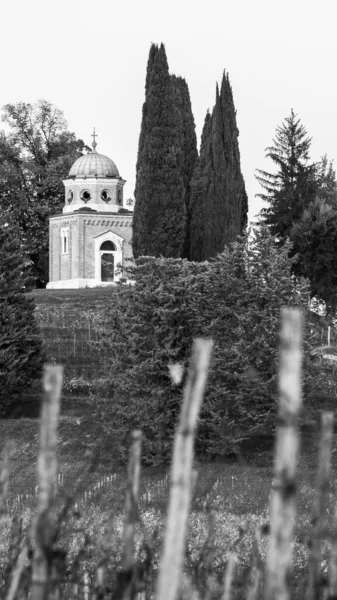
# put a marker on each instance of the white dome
(93, 165)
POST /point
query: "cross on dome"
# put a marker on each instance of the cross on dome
(94, 144)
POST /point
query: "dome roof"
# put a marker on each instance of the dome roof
(94, 165)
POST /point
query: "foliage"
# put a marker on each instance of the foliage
(219, 204)
(244, 291)
(147, 327)
(189, 148)
(235, 299)
(20, 343)
(35, 155)
(293, 186)
(326, 181)
(160, 211)
(315, 240)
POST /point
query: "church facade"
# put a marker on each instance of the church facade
(90, 242)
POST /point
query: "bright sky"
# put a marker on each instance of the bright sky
(89, 59)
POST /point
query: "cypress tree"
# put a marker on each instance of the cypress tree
(200, 184)
(237, 190)
(188, 146)
(20, 343)
(219, 203)
(160, 211)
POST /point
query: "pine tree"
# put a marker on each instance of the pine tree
(293, 187)
(160, 211)
(219, 203)
(189, 148)
(20, 343)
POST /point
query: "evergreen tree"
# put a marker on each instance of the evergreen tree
(160, 212)
(315, 241)
(20, 343)
(235, 299)
(293, 186)
(189, 147)
(219, 201)
(200, 185)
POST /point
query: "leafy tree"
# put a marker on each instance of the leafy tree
(219, 203)
(291, 189)
(160, 211)
(35, 155)
(189, 148)
(325, 177)
(315, 240)
(20, 342)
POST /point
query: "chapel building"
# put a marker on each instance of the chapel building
(90, 241)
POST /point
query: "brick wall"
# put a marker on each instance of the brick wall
(83, 228)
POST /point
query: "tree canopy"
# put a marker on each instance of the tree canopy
(315, 241)
(36, 153)
(21, 352)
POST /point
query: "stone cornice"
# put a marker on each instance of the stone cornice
(101, 215)
(93, 180)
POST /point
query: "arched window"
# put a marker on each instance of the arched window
(64, 240)
(107, 249)
(108, 246)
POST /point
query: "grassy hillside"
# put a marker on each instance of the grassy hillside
(71, 322)
(82, 298)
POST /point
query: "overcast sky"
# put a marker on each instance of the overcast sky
(89, 57)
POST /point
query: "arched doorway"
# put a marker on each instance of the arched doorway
(107, 261)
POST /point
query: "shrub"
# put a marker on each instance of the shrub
(20, 344)
(235, 299)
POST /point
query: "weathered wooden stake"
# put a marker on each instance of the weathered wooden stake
(283, 496)
(43, 528)
(181, 473)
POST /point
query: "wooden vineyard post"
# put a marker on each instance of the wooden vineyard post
(322, 497)
(43, 528)
(4, 481)
(131, 509)
(283, 496)
(182, 474)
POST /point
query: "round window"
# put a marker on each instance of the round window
(85, 196)
(105, 196)
(70, 196)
